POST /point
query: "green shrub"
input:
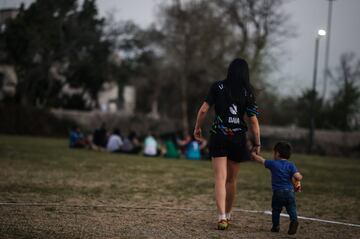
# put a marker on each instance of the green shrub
(16, 119)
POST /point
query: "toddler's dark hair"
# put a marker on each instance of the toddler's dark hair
(284, 149)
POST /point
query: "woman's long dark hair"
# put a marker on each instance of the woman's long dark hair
(238, 80)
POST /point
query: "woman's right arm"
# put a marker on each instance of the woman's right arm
(200, 119)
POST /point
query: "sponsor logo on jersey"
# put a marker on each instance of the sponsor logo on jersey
(221, 86)
(233, 109)
(234, 120)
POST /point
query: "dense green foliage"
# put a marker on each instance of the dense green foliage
(19, 120)
(54, 45)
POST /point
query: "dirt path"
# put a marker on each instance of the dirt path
(117, 222)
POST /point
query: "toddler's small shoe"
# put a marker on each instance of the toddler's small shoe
(293, 227)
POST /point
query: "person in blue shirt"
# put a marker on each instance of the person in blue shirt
(76, 138)
(193, 150)
(283, 173)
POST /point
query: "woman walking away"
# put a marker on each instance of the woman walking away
(233, 98)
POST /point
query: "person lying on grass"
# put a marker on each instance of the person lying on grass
(285, 179)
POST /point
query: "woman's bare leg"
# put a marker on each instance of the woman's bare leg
(232, 172)
(220, 171)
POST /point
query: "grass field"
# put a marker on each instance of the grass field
(130, 191)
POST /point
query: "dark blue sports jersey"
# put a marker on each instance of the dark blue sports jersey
(229, 119)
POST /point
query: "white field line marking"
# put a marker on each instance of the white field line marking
(304, 218)
(170, 208)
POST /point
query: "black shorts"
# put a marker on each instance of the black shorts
(232, 147)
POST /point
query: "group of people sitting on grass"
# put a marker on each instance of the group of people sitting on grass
(173, 145)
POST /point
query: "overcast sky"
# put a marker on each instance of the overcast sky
(296, 64)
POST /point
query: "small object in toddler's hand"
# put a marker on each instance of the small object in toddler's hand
(297, 185)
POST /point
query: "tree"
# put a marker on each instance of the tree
(140, 66)
(341, 110)
(53, 44)
(345, 104)
(89, 53)
(258, 27)
(30, 41)
(202, 37)
(309, 103)
(193, 47)
(279, 110)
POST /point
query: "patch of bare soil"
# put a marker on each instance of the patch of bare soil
(118, 222)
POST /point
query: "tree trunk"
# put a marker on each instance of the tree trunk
(184, 106)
